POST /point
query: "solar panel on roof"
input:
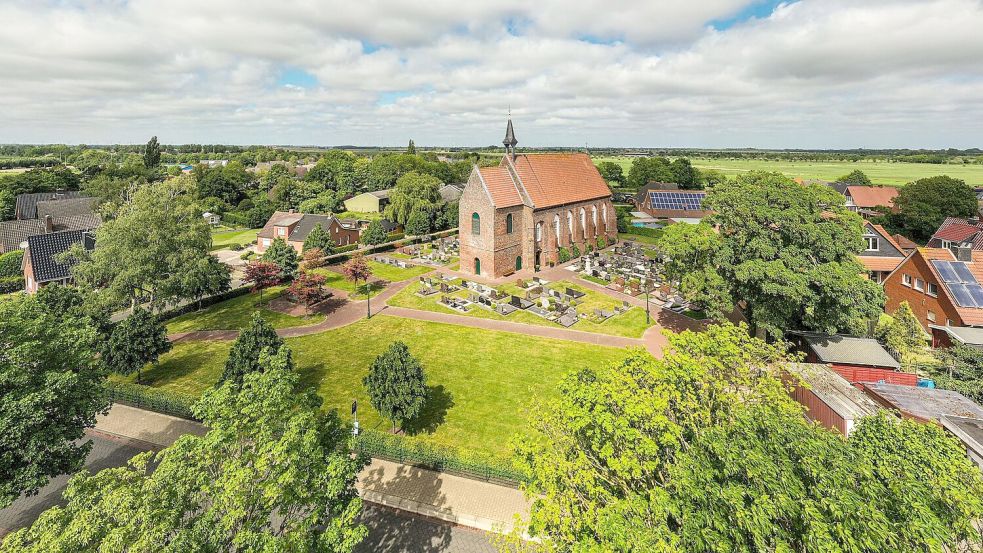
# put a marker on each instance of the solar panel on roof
(962, 295)
(962, 271)
(690, 201)
(945, 271)
(976, 291)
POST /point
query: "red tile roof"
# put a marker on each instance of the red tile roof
(873, 263)
(905, 243)
(557, 179)
(872, 196)
(500, 186)
(955, 229)
(887, 236)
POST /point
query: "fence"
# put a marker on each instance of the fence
(161, 401)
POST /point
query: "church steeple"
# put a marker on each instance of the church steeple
(510, 140)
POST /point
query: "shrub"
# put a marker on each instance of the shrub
(10, 264)
(237, 247)
(564, 255)
(246, 255)
(575, 251)
(11, 284)
(348, 248)
(602, 242)
(154, 399)
(395, 236)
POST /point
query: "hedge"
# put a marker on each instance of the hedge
(11, 284)
(644, 231)
(10, 264)
(206, 302)
(383, 445)
(153, 399)
(343, 249)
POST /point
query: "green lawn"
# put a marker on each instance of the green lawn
(880, 172)
(227, 238)
(235, 313)
(483, 381)
(630, 324)
(339, 282)
(395, 274)
(638, 238)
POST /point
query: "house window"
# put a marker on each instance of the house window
(931, 316)
(947, 244)
(266, 242)
(281, 231)
(539, 231)
(475, 225)
(948, 322)
(906, 280)
(508, 224)
(933, 290)
(919, 285)
(871, 243)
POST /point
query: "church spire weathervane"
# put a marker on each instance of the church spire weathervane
(510, 140)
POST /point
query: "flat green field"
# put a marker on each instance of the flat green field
(880, 172)
(483, 381)
(236, 313)
(630, 324)
(226, 238)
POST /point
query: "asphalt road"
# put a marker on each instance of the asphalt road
(390, 531)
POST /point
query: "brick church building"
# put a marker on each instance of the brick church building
(518, 214)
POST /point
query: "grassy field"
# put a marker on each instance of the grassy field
(339, 282)
(236, 313)
(630, 324)
(226, 238)
(483, 382)
(881, 172)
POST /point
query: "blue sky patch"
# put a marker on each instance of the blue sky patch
(759, 9)
(294, 76)
(390, 98)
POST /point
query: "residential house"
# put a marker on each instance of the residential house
(907, 245)
(664, 203)
(14, 234)
(368, 202)
(865, 199)
(41, 264)
(26, 205)
(882, 254)
(953, 411)
(855, 359)
(955, 231)
(213, 219)
(941, 285)
(451, 193)
(829, 398)
(295, 227)
(520, 213)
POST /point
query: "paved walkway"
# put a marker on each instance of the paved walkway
(461, 501)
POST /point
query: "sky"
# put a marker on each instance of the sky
(619, 73)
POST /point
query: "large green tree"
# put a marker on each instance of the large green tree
(373, 234)
(275, 472)
(151, 247)
(924, 204)
(414, 192)
(786, 253)
(856, 177)
(319, 238)
(247, 350)
(611, 172)
(396, 384)
(704, 450)
(151, 153)
(137, 340)
(51, 388)
(282, 255)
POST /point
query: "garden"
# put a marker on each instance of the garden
(235, 313)
(481, 381)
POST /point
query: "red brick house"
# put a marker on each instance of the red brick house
(941, 286)
(41, 264)
(294, 228)
(666, 202)
(882, 253)
(518, 214)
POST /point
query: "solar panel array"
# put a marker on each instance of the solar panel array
(690, 201)
(961, 282)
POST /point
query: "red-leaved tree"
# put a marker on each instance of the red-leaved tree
(356, 269)
(262, 274)
(308, 289)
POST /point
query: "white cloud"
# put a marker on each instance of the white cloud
(813, 73)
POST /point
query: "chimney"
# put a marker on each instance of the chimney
(964, 252)
(48, 224)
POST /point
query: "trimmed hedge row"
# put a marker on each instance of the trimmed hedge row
(348, 248)
(11, 284)
(152, 399)
(387, 446)
(10, 264)
(206, 302)
(644, 231)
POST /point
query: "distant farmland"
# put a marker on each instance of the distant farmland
(880, 172)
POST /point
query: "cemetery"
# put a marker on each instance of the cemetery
(532, 301)
(438, 253)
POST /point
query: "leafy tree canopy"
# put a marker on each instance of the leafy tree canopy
(924, 204)
(319, 238)
(137, 340)
(282, 255)
(297, 460)
(611, 172)
(396, 384)
(374, 234)
(855, 177)
(52, 390)
(659, 169)
(151, 154)
(244, 357)
(704, 450)
(414, 192)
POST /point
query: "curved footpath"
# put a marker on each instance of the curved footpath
(353, 311)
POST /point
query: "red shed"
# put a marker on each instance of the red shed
(829, 399)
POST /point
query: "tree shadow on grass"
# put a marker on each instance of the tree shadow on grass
(434, 412)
